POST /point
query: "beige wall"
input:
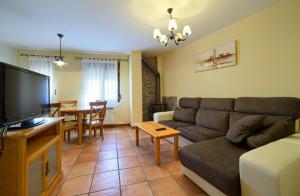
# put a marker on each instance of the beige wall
(268, 58)
(7, 54)
(136, 102)
(67, 80)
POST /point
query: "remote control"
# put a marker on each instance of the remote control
(160, 129)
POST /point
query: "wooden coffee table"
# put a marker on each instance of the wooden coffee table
(150, 128)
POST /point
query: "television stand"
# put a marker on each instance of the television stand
(31, 160)
(27, 124)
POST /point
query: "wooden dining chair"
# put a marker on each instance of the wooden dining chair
(67, 126)
(55, 109)
(69, 104)
(96, 118)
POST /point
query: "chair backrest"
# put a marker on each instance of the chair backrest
(54, 109)
(68, 103)
(98, 110)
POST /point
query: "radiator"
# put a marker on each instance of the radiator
(109, 116)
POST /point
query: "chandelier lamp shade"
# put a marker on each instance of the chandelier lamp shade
(173, 34)
(59, 61)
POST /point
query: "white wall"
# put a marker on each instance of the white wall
(268, 46)
(136, 102)
(7, 54)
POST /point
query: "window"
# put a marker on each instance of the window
(100, 81)
(43, 65)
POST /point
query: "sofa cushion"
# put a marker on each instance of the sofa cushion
(269, 134)
(196, 133)
(174, 124)
(185, 115)
(244, 128)
(217, 120)
(187, 102)
(281, 106)
(217, 161)
(236, 116)
(220, 104)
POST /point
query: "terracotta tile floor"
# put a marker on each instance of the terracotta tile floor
(115, 167)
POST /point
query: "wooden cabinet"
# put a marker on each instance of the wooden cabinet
(31, 162)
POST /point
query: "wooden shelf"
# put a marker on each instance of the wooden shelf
(37, 147)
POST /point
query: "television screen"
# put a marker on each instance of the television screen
(24, 94)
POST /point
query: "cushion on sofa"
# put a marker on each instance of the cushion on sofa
(217, 161)
(220, 104)
(244, 128)
(217, 120)
(174, 124)
(269, 134)
(236, 116)
(196, 133)
(185, 115)
(187, 102)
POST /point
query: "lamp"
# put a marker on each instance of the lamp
(173, 35)
(59, 61)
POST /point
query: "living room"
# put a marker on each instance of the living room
(150, 75)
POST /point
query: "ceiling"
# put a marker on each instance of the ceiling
(113, 26)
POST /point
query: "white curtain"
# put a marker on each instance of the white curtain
(100, 81)
(43, 65)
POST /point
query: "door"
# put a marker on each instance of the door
(52, 164)
(35, 177)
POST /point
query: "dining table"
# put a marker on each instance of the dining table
(78, 111)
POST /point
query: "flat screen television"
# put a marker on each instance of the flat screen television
(24, 96)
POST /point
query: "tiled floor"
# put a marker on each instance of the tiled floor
(115, 166)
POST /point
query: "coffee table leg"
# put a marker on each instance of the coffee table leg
(157, 151)
(152, 139)
(176, 147)
(137, 136)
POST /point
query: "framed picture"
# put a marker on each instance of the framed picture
(218, 57)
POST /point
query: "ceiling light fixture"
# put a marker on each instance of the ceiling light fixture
(59, 61)
(172, 27)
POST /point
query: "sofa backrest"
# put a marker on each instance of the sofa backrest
(185, 114)
(214, 113)
(188, 102)
(187, 109)
(221, 113)
(276, 108)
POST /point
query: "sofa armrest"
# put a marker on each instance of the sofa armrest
(160, 116)
(273, 169)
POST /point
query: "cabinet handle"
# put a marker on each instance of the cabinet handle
(47, 168)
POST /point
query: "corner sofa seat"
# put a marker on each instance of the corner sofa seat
(217, 161)
(197, 133)
(174, 124)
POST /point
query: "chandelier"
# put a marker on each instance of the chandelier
(173, 34)
(59, 61)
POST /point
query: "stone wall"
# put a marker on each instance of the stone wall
(148, 87)
(171, 102)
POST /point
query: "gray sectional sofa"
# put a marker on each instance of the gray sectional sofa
(205, 122)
